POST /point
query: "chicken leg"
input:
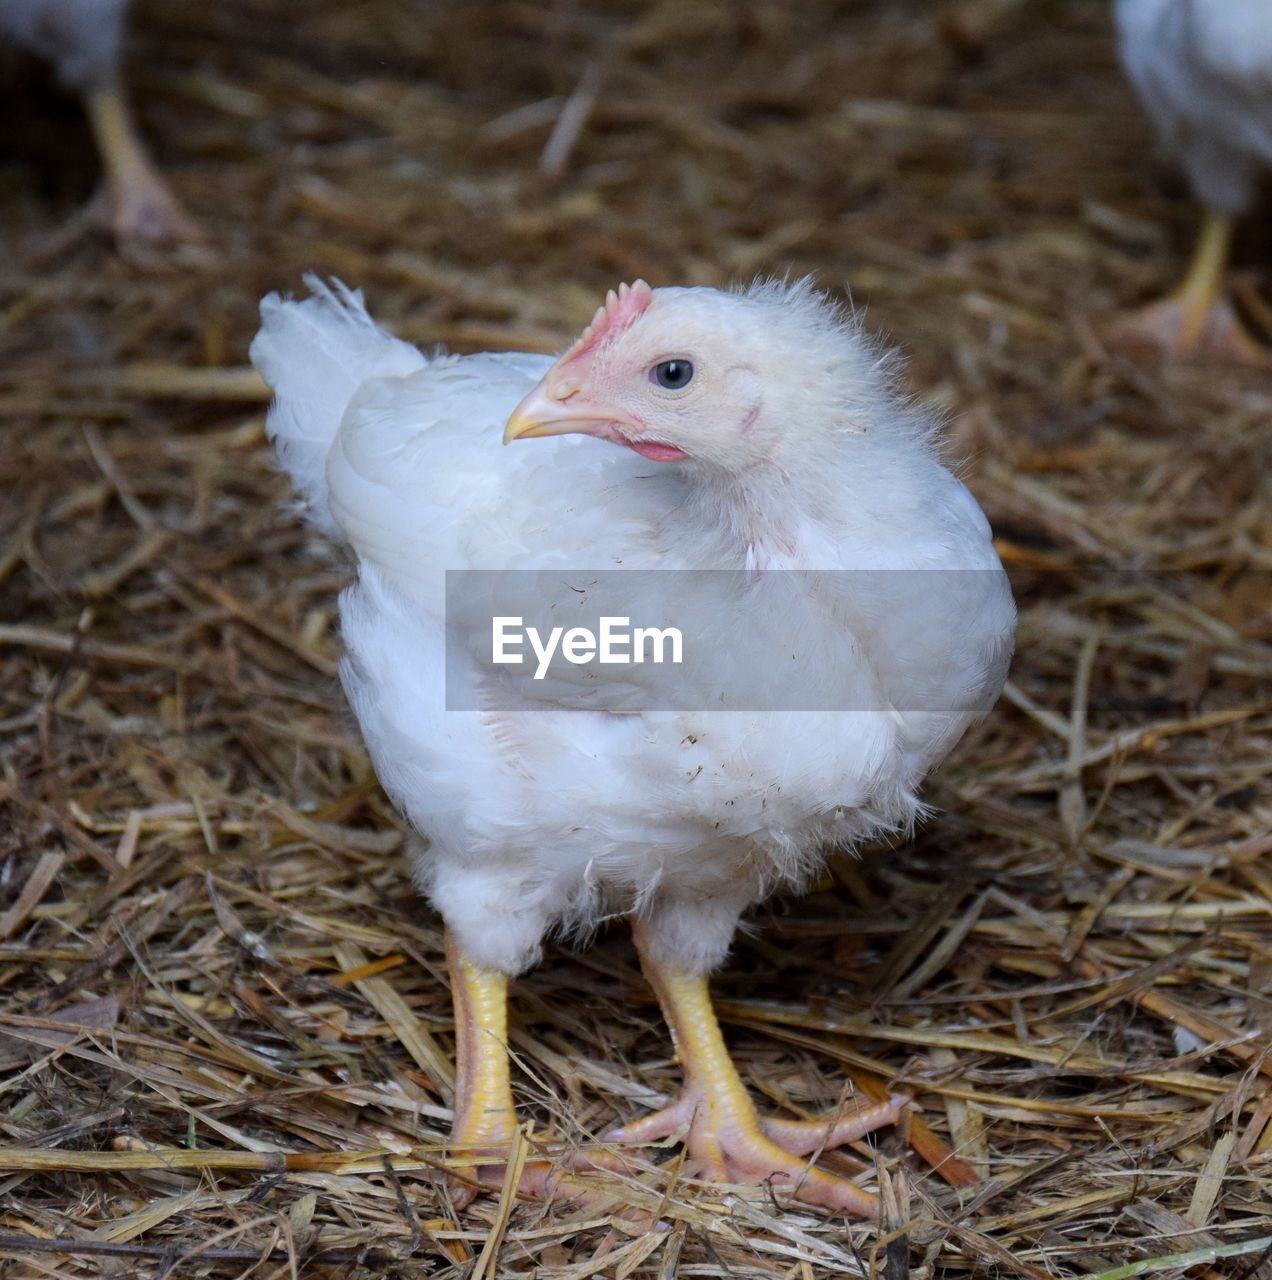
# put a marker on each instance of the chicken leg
(485, 1120)
(725, 1134)
(1198, 319)
(138, 203)
(485, 1116)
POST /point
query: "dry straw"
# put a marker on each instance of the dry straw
(226, 1031)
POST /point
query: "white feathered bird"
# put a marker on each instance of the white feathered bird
(1203, 69)
(759, 431)
(83, 40)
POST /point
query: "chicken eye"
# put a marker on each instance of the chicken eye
(672, 374)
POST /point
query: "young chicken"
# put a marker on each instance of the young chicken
(83, 38)
(1203, 69)
(755, 431)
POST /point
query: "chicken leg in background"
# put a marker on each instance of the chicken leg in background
(752, 431)
(83, 39)
(1203, 70)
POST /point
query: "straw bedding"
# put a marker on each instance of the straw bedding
(224, 1025)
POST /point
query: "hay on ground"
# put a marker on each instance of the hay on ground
(224, 1023)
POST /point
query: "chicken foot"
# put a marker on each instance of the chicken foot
(729, 1140)
(1198, 318)
(136, 202)
(485, 1121)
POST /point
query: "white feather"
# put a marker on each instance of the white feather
(82, 38)
(316, 354)
(555, 815)
(1204, 71)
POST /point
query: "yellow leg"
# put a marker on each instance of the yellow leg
(1203, 282)
(485, 1117)
(143, 206)
(1198, 318)
(724, 1133)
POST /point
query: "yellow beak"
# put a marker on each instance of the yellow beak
(541, 414)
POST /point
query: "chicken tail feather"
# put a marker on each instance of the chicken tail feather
(315, 353)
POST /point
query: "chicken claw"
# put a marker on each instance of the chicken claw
(485, 1121)
(1198, 320)
(136, 202)
(723, 1132)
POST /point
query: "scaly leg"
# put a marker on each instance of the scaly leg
(485, 1116)
(725, 1135)
(1198, 319)
(141, 204)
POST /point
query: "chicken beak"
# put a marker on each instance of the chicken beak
(544, 414)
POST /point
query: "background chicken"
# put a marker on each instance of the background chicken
(83, 39)
(1204, 71)
(756, 431)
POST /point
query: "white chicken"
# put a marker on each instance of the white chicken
(1203, 69)
(758, 431)
(83, 40)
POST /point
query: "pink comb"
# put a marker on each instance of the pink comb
(618, 312)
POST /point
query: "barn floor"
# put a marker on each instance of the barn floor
(224, 1028)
